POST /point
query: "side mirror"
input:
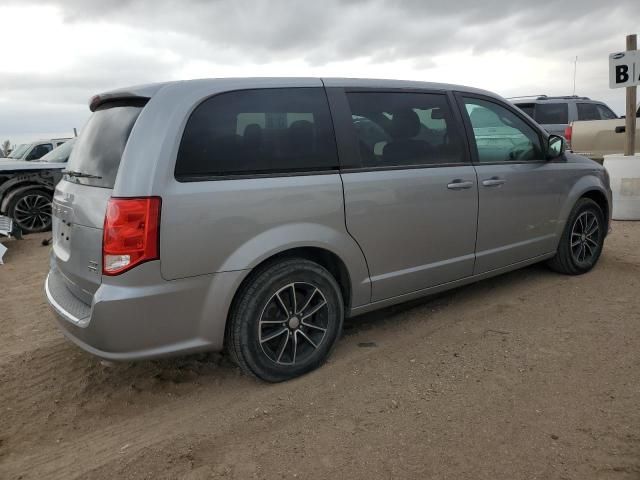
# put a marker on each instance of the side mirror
(556, 146)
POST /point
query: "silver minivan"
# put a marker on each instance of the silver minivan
(256, 214)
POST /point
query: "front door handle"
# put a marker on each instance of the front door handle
(493, 182)
(458, 184)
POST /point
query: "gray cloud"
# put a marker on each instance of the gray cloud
(254, 31)
(346, 29)
(22, 120)
(89, 75)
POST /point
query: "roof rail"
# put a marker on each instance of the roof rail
(550, 97)
(569, 97)
(526, 96)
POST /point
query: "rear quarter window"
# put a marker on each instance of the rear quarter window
(263, 131)
(551, 113)
(595, 111)
(527, 108)
(101, 143)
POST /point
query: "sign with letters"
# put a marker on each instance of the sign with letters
(624, 69)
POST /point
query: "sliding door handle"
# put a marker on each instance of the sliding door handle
(493, 182)
(458, 184)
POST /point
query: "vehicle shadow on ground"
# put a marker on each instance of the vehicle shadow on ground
(85, 378)
(195, 367)
(397, 314)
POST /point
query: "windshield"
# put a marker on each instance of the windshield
(19, 151)
(59, 154)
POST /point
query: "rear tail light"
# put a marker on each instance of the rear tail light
(131, 233)
(568, 131)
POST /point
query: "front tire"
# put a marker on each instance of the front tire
(285, 320)
(582, 239)
(31, 210)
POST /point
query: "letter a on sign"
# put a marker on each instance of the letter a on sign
(624, 69)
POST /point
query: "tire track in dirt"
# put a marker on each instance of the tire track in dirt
(475, 383)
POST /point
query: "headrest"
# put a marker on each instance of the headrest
(252, 129)
(301, 135)
(253, 135)
(404, 124)
(301, 126)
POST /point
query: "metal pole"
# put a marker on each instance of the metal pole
(575, 69)
(630, 124)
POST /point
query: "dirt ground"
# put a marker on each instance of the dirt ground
(531, 375)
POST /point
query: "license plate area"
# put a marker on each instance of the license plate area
(61, 228)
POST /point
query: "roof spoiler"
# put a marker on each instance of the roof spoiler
(98, 100)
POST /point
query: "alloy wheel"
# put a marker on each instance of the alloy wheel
(585, 237)
(32, 212)
(293, 323)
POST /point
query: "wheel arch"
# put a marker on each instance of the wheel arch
(18, 188)
(322, 256)
(589, 186)
(601, 199)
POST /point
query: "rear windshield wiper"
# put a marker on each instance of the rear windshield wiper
(73, 173)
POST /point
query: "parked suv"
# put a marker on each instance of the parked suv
(256, 214)
(555, 114)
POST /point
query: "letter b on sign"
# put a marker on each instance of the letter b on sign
(622, 73)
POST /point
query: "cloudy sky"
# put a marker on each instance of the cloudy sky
(56, 54)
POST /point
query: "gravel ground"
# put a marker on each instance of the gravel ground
(528, 375)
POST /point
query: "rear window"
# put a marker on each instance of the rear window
(265, 131)
(99, 147)
(551, 113)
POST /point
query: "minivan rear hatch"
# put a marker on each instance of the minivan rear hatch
(81, 197)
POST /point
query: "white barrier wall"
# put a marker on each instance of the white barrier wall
(624, 172)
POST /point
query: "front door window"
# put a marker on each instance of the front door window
(500, 135)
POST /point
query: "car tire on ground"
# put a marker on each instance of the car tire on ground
(582, 239)
(285, 320)
(31, 210)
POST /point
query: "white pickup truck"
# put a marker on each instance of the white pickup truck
(26, 188)
(597, 138)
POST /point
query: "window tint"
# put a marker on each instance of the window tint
(606, 113)
(258, 131)
(39, 151)
(547, 113)
(100, 146)
(405, 129)
(526, 108)
(594, 111)
(60, 154)
(501, 136)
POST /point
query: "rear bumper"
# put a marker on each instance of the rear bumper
(137, 319)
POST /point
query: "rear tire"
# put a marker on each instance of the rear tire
(582, 239)
(286, 320)
(31, 210)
